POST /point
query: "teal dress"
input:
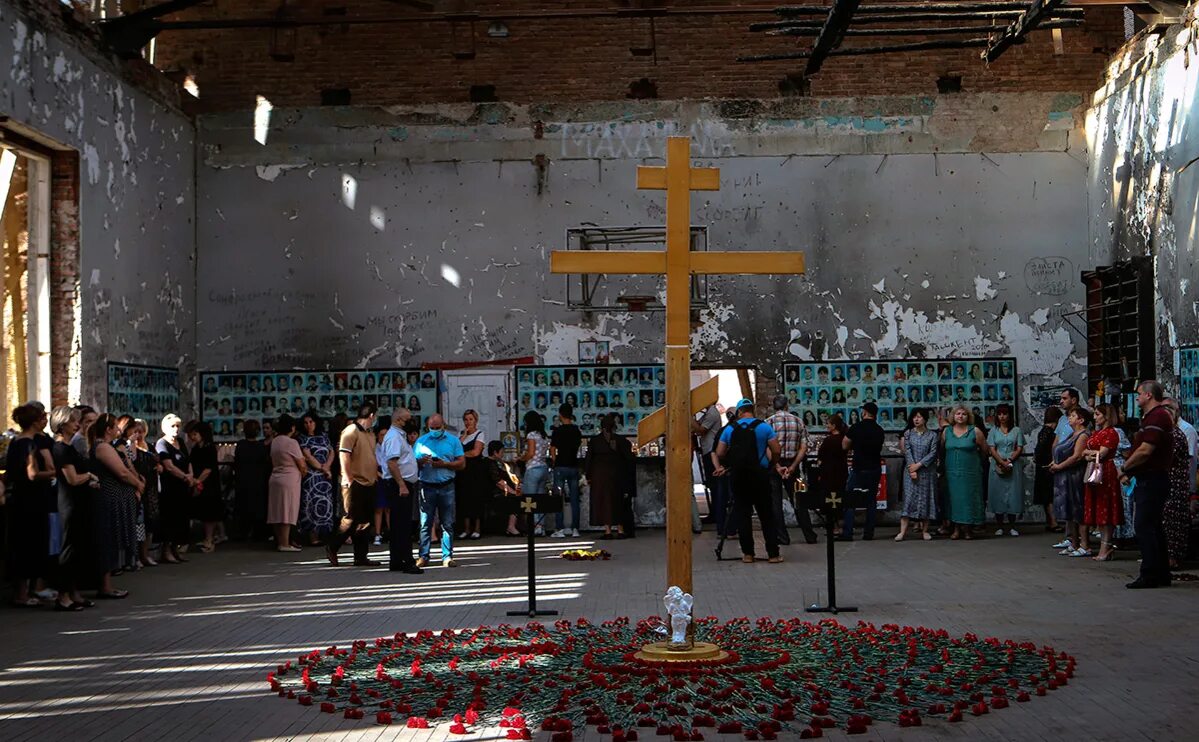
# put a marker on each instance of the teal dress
(1005, 492)
(963, 476)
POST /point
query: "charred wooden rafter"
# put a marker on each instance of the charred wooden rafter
(831, 34)
(1039, 11)
(883, 49)
(925, 30)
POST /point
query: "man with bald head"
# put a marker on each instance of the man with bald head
(439, 455)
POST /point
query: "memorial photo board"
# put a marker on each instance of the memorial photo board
(816, 390)
(1188, 382)
(145, 392)
(630, 391)
(228, 398)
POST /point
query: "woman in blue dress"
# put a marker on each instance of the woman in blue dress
(919, 445)
(316, 489)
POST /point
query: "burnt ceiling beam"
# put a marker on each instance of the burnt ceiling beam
(926, 30)
(831, 34)
(861, 19)
(1039, 11)
(802, 10)
(862, 50)
(128, 34)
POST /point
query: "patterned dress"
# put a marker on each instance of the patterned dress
(1125, 529)
(316, 491)
(963, 475)
(1006, 490)
(116, 523)
(1176, 516)
(1067, 483)
(920, 494)
(1102, 503)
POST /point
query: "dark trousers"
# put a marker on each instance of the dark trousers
(1150, 498)
(781, 489)
(721, 488)
(862, 484)
(359, 502)
(400, 556)
(751, 490)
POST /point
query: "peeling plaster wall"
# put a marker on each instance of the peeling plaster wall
(136, 299)
(399, 236)
(1144, 186)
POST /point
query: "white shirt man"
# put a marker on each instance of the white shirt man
(399, 475)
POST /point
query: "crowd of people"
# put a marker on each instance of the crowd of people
(89, 497)
(1096, 475)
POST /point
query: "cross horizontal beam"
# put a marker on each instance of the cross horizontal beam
(628, 262)
(653, 178)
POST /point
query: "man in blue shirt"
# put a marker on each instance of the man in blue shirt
(1069, 401)
(746, 449)
(439, 456)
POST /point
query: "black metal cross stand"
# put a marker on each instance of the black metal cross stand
(530, 505)
(832, 503)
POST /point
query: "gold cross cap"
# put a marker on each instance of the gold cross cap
(529, 505)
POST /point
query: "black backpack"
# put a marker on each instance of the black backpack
(743, 448)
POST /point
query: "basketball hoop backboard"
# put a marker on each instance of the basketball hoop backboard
(595, 292)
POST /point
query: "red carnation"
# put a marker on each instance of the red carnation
(433, 713)
(327, 707)
(305, 700)
(562, 737)
(730, 727)
(383, 717)
(956, 715)
(1022, 697)
(631, 735)
(457, 728)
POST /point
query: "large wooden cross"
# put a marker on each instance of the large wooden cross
(678, 263)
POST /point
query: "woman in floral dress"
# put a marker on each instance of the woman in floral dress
(1176, 516)
(316, 489)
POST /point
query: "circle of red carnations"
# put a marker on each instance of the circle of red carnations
(779, 674)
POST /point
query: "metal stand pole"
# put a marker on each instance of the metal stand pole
(832, 607)
(532, 611)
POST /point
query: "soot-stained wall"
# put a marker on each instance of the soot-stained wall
(136, 207)
(368, 237)
(1144, 186)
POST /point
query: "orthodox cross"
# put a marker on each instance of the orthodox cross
(678, 263)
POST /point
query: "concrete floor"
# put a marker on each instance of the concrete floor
(186, 656)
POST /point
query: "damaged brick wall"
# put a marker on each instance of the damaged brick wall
(575, 59)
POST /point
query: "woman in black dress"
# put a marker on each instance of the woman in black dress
(608, 458)
(174, 498)
(251, 471)
(209, 505)
(120, 487)
(145, 463)
(472, 484)
(78, 490)
(27, 505)
(1042, 487)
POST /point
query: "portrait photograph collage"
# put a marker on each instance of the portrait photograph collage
(628, 391)
(1188, 381)
(227, 399)
(144, 392)
(815, 391)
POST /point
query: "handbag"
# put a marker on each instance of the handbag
(1094, 474)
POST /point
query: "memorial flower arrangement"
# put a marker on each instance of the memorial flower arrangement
(586, 555)
(779, 675)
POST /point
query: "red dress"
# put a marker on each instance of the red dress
(1102, 504)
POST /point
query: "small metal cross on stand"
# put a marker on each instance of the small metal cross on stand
(832, 507)
(529, 505)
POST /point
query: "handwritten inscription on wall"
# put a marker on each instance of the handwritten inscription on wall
(636, 139)
(1052, 276)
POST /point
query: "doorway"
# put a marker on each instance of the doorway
(25, 251)
(487, 391)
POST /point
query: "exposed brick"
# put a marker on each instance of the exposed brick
(580, 59)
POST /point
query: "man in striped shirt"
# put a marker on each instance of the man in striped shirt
(793, 440)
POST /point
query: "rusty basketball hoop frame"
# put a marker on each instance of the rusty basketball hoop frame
(582, 289)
